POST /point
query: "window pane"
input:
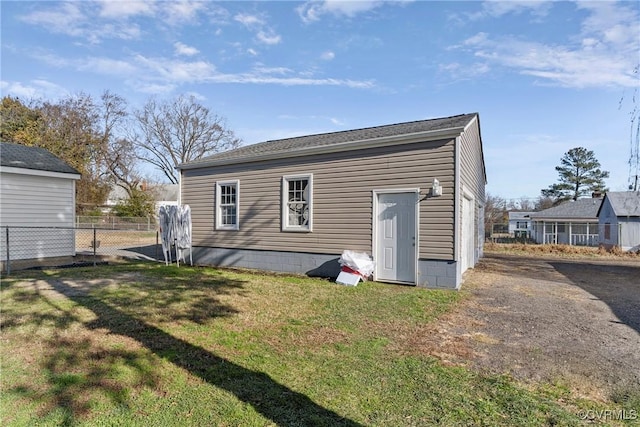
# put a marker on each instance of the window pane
(227, 209)
(228, 215)
(297, 202)
(579, 229)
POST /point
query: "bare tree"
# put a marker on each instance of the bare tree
(526, 204)
(121, 160)
(495, 212)
(634, 136)
(523, 204)
(544, 202)
(179, 131)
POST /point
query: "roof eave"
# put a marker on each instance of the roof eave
(40, 172)
(565, 219)
(334, 148)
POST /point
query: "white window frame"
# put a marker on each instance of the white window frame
(219, 224)
(284, 211)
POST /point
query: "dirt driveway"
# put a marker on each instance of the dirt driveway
(546, 319)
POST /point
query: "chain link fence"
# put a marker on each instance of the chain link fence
(116, 222)
(24, 247)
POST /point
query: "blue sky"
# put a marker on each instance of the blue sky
(544, 76)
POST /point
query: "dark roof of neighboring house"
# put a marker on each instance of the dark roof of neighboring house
(36, 158)
(290, 145)
(578, 209)
(515, 215)
(624, 203)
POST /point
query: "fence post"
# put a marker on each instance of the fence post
(8, 260)
(95, 243)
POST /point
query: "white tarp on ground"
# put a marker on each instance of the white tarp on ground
(175, 231)
(355, 266)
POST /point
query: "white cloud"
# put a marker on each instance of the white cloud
(268, 37)
(50, 59)
(498, 8)
(183, 49)
(258, 78)
(313, 10)
(107, 66)
(35, 89)
(108, 19)
(177, 71)
(252, 52)
(67, 19)
(125, 9)
(76, 19)
(249, 20)
(182, 11)
(327, 56)
(272, 70)
(603, 54)
(163, 75)
(264, 33)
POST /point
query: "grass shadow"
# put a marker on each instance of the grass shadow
(273, 400)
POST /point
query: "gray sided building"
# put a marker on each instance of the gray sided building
(37, 190)
(410, 194)
(619, 219)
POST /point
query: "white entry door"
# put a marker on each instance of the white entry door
(396, 237)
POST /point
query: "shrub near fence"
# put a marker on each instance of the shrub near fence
(23, 247)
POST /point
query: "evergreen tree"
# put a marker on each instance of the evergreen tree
(579, 175)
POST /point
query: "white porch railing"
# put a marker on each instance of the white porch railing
(584, 239)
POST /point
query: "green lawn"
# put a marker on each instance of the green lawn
(145, 344)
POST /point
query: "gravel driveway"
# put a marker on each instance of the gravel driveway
(549, 318)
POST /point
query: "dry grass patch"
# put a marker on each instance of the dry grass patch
(564, 250)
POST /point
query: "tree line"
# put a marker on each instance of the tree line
(109, 143)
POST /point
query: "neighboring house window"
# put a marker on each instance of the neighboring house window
(607, 231)
(521, 224)
(227, 205)
(297, 202)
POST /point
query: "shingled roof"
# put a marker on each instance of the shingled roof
(578, 209)
(295, 146)
(36, 158)
(624, 203)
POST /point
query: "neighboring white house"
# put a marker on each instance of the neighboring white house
(520, 224)
(37, 203)
(570, 223)
(619, 219)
